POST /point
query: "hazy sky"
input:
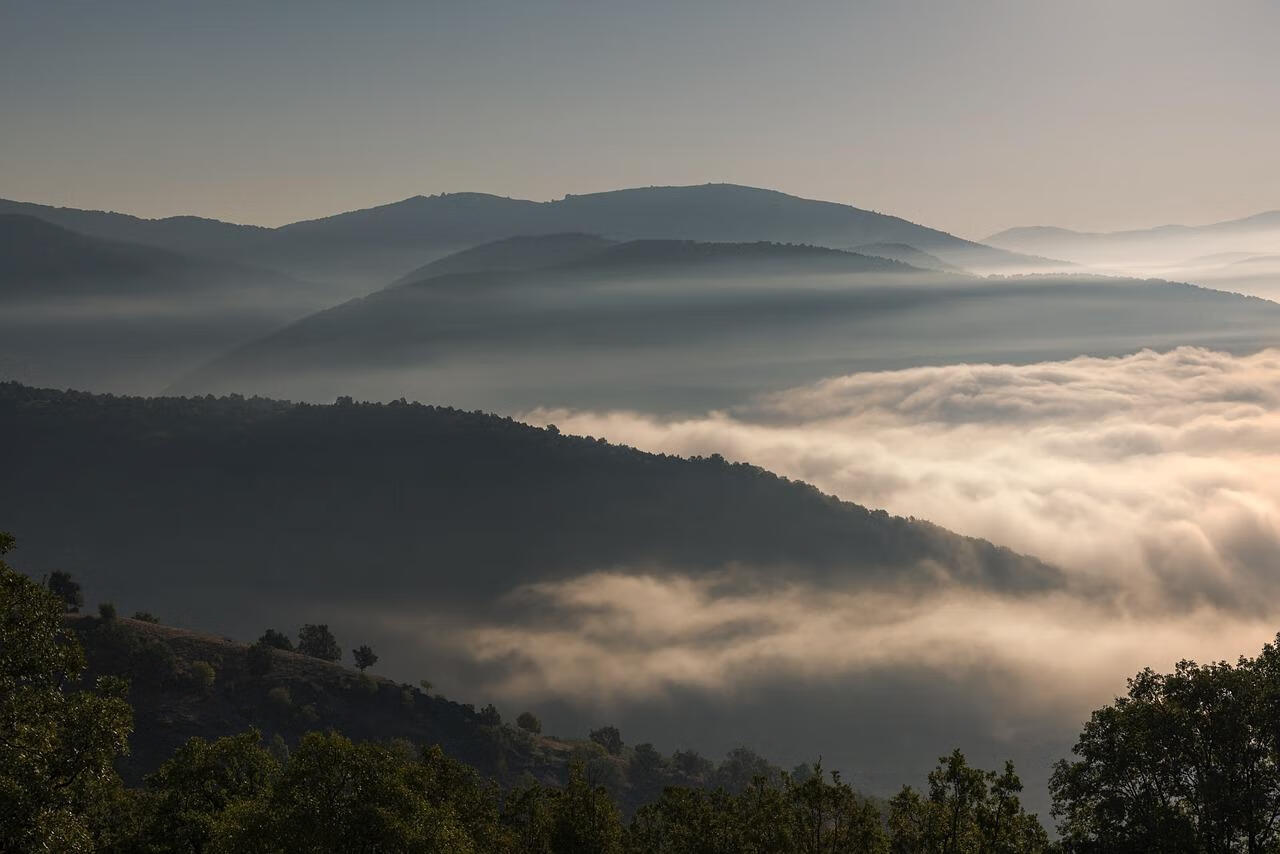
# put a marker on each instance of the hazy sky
(969, 116)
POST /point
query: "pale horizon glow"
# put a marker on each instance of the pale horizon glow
(1094, 115)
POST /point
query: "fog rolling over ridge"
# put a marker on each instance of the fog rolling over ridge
(672, 325)
(114, 315)
(1241, 255)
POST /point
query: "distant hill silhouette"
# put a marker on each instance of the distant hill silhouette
(178, 233)
(677, 325)
(526, 252)
(907, 255)
(39, 259)
(124, 316)
(370, 247)
(1172, 242)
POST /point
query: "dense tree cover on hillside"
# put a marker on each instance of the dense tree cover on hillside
(235, 489)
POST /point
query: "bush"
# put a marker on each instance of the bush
(609, 738)
(203, 674)
(106, 611)
(276, 640)
(280, 697)
(145, 617)
(529, 723)
(489, 716)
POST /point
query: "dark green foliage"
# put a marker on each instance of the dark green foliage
(966, 810)
(66, 589)
(692, 764)
(106, 611)
(1187, 761)
(364, 657)
(529, 722)
(489, 716)
(609, 738)
(145, 617)
(57, 746)
(781, 815)
(317, 641)
(276, 640)
(190, 792)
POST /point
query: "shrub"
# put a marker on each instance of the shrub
(609, 738)
(145, 617)
(529, 723)
(203, 674)
(280, 697)
(489, 716)
(276, 640)
(107, 611)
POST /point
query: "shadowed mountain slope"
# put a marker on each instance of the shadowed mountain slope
(686, 326)
(382, 506)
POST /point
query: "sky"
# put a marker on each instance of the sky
(971, 117)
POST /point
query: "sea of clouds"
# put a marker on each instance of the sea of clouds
(1152, 479)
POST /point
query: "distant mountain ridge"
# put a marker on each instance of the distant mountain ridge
(41, 259)
(379, 244)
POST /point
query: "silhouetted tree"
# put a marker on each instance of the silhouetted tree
(489, 716)
(528, 722)
(67, 590)
(364, 657)
(315, 640)
(278, 640)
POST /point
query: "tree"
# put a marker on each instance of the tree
(106, 611)
(364, 657)
(1185, 761)
(57, 746)
(966, 810)
(528, 722)
(67, 590)
(200, 781)
(317, 641)
(489, 715)
(336, 795)
(276, 640)
(609, 738)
